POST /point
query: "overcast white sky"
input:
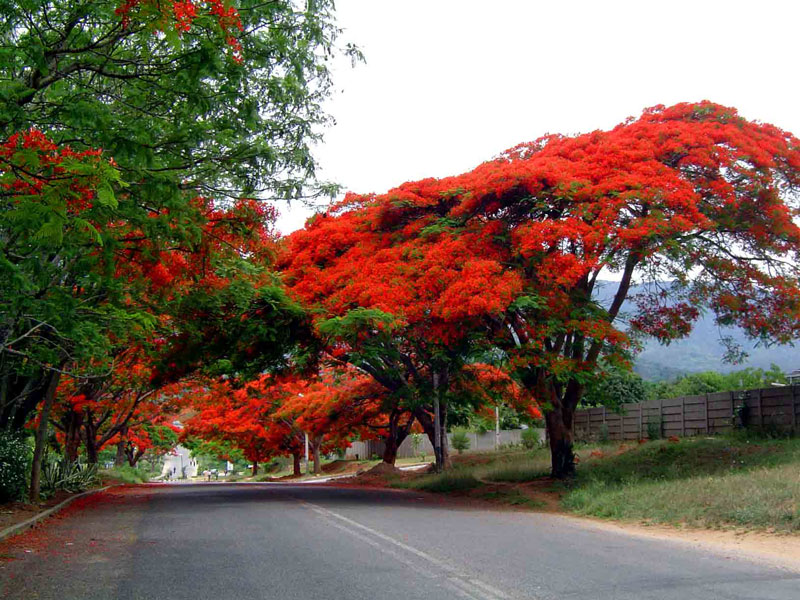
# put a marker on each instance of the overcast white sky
(451, 83)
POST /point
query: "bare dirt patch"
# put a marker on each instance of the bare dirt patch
(17, 512)
(767, 548)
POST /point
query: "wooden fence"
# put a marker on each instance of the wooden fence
(774, 407)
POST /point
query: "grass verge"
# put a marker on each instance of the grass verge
(124, 474)
(728, 481)
(454, 480)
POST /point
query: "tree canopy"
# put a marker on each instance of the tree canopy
(692, 200)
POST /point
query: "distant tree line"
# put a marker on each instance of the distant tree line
(618, 386)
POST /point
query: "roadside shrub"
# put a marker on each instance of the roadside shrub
(654, 428)
(459, 441)
(15, 463)
(530, 439)
(60, 474)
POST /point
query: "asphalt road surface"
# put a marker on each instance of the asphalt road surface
(305, 542)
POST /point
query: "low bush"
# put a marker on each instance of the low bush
(530, 439)
(459, 441)
(654, 429)
(15, 464)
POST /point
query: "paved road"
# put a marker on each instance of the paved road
(301, 542)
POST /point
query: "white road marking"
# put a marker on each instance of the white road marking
(461, 583)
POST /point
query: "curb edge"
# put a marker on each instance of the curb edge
(30, 523)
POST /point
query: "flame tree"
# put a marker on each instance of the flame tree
(693, 201)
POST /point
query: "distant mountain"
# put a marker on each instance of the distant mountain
(702, 350)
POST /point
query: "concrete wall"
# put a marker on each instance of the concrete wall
(773, 407)
(478, 441)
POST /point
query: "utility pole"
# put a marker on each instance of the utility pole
(437, 425)
(497, 427)
(306, 469)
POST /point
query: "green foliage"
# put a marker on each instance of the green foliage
(460, 441)
(709, 382)
(241, 330)
(613, 387)
(214, 454)
(15, 459)
(162, 437)
(530, 439)
(174, 110)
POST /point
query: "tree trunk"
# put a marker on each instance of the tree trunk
(390, 448)
(317, 462)
(122, 455)
(255, 468)
(296, 464)
(72, 421)
(41, 437)
(562, 458)
(559, 422)
(90, 438)
(132, 454)
(445, 449)
(426, 420)
(397, 433)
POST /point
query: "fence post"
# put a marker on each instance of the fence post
(733, 412)
(683, 416)
(794, 409)
(708, 427)
(640, 420)
(660, 417)
(760, 411)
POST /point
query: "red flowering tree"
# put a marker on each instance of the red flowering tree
(693, 201)
(271, 415)
(99, 411)
(401, 299)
